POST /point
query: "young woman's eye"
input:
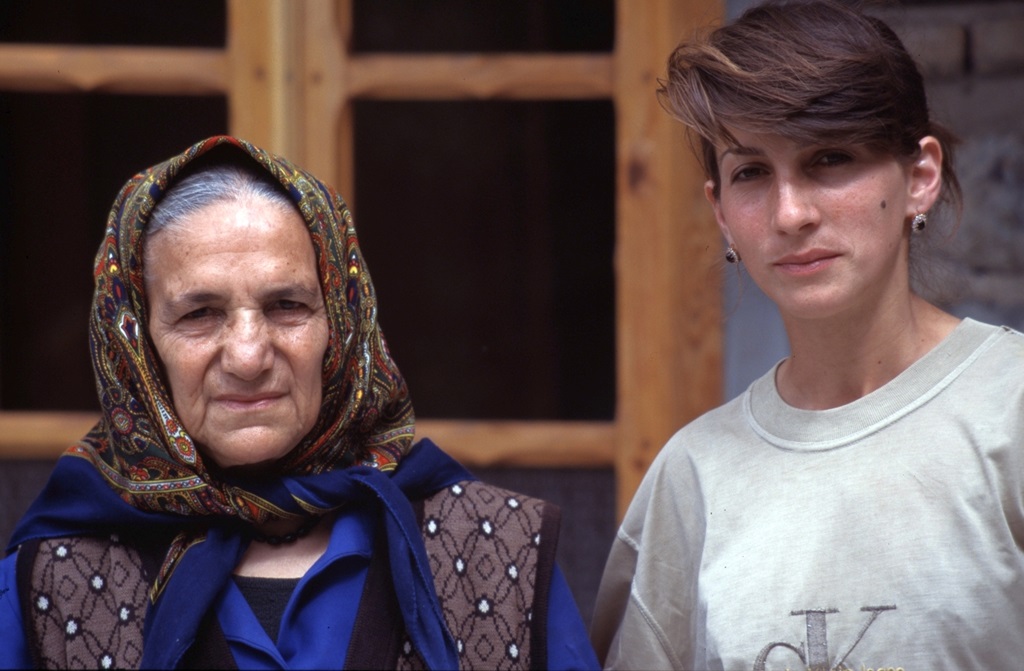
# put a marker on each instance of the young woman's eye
(833, 158)
(747, 173)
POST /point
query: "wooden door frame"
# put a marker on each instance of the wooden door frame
(290, 79)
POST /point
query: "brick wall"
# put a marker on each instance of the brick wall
(972, 55)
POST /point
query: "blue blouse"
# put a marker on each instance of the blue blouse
(315, 632)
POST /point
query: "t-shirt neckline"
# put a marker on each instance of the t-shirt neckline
(793, 428)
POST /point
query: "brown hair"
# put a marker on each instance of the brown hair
(815, 71)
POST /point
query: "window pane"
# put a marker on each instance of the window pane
(473, 25)
(63, 159)
(488, 228)
(186, 23)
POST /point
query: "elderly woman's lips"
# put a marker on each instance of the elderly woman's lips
(243, 402)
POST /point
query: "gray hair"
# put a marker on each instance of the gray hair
(231, 181)
(217, 183)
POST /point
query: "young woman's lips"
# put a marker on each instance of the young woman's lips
(806, 263)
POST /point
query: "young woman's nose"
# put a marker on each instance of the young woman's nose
(247, 350)
(794, 208)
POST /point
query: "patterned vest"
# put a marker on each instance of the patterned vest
(491, 551)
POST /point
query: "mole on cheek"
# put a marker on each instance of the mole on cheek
(883, 204)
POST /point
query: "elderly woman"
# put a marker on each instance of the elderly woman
(860, 505)
(251, 496)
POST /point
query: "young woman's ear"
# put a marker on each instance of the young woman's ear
(925, 178)
(716, 205)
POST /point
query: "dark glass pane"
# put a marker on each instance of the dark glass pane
(489, 230)
(63, 159)
(184, 23)
(475, 25)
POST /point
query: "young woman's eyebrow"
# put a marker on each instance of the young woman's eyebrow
(741, 151)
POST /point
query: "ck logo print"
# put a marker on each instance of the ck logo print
(814, 654)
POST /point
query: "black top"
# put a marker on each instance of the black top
(267, 597)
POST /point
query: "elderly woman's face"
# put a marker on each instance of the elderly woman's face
(238, 319)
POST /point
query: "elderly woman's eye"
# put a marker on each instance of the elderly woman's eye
(287, 307)
(198, 314)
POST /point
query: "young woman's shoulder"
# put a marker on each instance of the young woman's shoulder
(714, 429)
(700, 443)
(998, 361)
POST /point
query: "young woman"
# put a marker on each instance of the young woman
(860, 505)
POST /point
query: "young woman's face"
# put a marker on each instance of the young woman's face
(822, 229)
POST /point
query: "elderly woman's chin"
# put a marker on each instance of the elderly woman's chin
(248, 447)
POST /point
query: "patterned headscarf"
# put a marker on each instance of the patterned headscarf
(140, 445)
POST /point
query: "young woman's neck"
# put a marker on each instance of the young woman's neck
(835, 362)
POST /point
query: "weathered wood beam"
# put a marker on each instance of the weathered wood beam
(259, 73)
(668, 305)
(138, 70)
(45, 435)
(264, 89)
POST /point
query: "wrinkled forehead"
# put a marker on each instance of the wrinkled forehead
(309, 202)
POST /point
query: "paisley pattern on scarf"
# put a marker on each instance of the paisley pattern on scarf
(140, 445)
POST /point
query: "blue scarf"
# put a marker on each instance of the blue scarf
(173, 620)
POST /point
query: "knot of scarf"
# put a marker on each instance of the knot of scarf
(216, 546)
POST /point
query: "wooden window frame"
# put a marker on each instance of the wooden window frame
(290, 80)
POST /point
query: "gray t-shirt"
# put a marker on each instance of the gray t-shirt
(886, 533)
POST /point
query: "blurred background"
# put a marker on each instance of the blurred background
(549, 275)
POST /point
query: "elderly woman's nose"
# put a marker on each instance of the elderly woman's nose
(247, 347)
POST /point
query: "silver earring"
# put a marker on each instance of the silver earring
(919, 222)
(731, 255)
